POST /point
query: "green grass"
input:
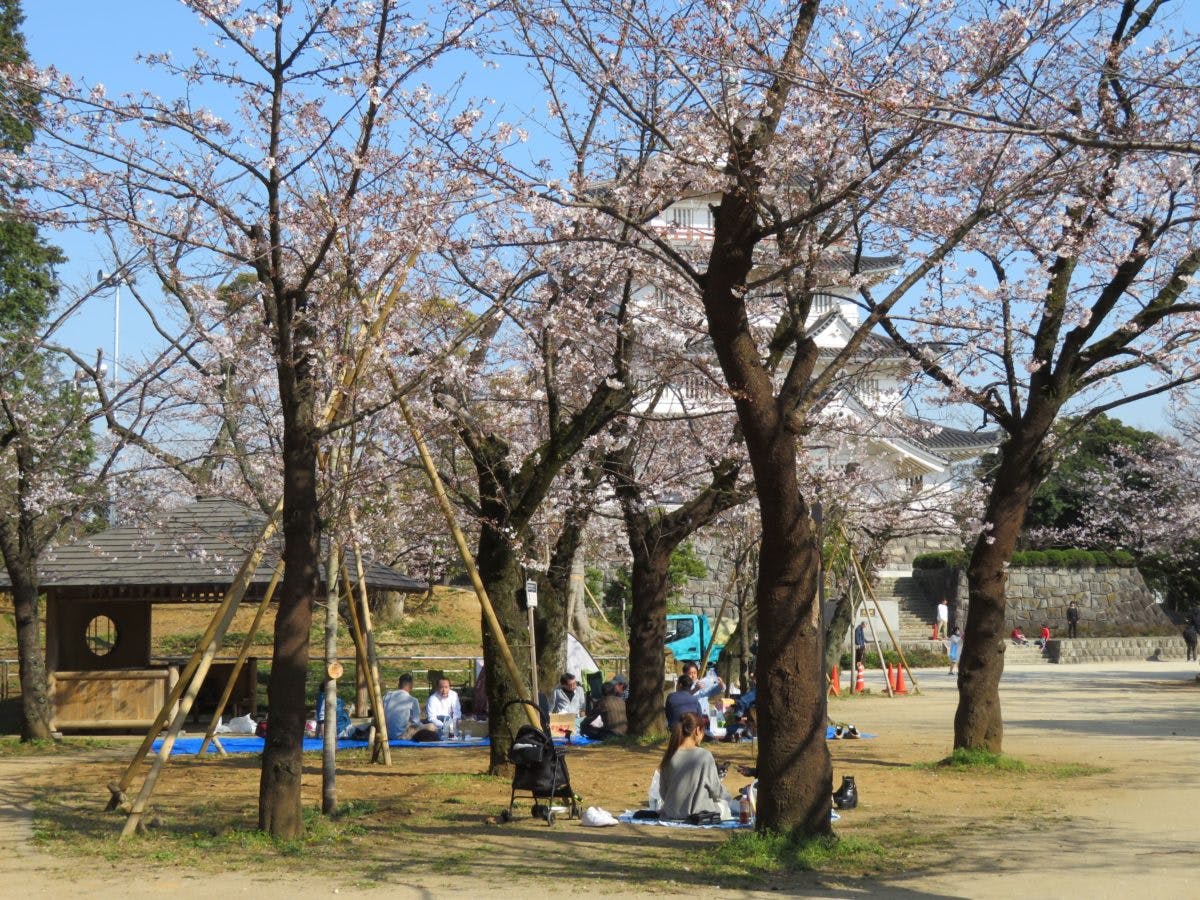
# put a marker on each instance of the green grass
(771, 853)
(441, 632)
(13, 746)
(977, 760)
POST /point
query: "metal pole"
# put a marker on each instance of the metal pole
(533, 679)
(116, 334)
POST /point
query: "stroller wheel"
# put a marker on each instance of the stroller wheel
(550, 817)
(506, 815)
(538, 811)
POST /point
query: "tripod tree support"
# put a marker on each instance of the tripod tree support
(243, 655)
(460, 540)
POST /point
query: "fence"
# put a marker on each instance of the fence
(459, 669)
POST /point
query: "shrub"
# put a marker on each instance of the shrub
(1027, 559)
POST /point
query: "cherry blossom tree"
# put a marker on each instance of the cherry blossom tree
(813, 137)
(287, 154)
(1086, 301)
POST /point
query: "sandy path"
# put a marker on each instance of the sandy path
(1119, 834)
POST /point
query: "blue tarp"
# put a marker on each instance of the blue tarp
(239, 743)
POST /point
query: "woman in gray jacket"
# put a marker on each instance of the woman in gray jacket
(688, 779)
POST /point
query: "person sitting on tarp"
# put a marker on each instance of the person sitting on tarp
(341, 718)
(443, 705)
(568, 697)
(681, 701)
(610, 716)
(402, 712)
(738, 720)
(689, 782)
(705, 689)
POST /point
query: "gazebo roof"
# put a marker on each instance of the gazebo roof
(191, 553)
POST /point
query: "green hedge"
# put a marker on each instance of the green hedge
(1026, 559)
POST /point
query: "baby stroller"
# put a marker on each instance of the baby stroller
(541, 771)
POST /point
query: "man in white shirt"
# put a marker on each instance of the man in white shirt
(943, 619)
(443, 703)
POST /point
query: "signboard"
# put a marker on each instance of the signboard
(531, 594)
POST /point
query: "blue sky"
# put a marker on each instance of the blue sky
(100, 41)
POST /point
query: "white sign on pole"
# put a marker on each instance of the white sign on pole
(531, 594)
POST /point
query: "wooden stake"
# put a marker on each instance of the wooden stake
(243, 654)
(892, 637)
(233, 596)
(439, 490)
(238, 589)
(382, 746)
(368, 628)
(713, 638)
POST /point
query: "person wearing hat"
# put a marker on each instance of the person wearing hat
(621, 686)
(610, 717)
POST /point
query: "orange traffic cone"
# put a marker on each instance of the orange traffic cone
(936, 632)
(860, 683)
(900, 688)
(891, 677)
(835, 682)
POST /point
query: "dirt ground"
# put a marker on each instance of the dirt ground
(1109, 806)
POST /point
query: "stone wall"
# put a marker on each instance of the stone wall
(1107, 597)
(1084, 650)
(900, 552)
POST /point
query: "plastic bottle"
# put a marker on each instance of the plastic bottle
(744, 809)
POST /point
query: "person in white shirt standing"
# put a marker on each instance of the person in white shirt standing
(443, 703)
(943, 619)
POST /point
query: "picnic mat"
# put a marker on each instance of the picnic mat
(248, 743)
(728, 825)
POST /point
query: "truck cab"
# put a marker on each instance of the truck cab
(688, 636)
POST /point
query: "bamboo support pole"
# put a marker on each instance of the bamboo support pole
(712, 642)
(916, 689)
(233, 596)
(368, 627)
(238, 589)
(460, 540)
(382, 746)
(871, 622)
(350, 375)
(243, 655)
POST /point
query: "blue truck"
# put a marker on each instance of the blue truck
(688, 636)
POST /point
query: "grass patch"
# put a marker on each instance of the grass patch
(772, 853)
(461, 779)
(12, 746)
(976, 761)
(442, 632)
(1076, 770)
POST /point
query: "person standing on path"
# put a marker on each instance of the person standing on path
(955, 648)
(860, 643)
(1072, 619)
(943, 619)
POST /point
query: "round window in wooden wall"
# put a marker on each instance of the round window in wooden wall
(101, 636)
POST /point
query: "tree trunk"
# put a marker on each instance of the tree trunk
(794, 768)
(16, 544)
(501, 575)
(647, 630)
(978, 724)
(35, 691)
(279, 807)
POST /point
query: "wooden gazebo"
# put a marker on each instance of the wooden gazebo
(101, 591)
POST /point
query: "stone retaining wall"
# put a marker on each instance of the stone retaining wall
(1111, 649)
(1108, 597)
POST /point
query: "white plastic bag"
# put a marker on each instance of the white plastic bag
(596, 817)
(654, 798)
(242, 725)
